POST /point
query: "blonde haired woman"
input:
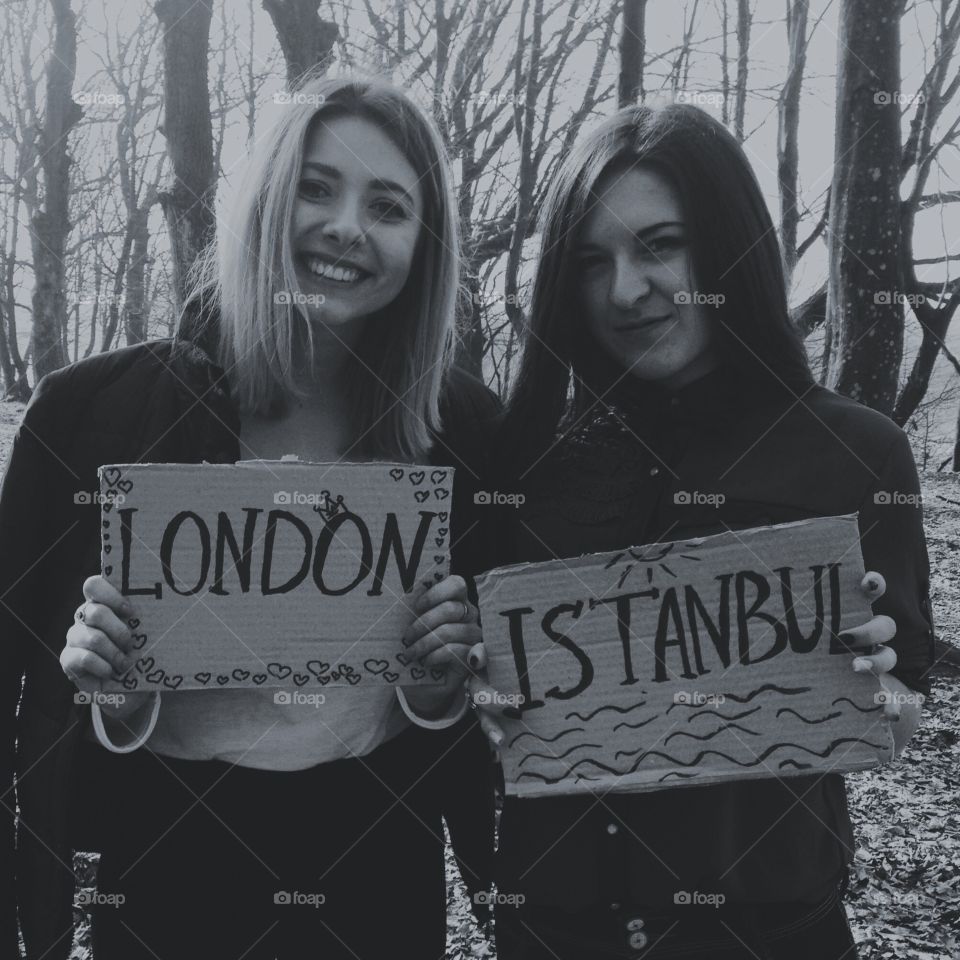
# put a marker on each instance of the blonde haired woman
(231, 826)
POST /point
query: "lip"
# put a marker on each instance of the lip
(334, 261)
(640, 324)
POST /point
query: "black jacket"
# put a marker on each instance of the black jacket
(162, 401)
(716, 455)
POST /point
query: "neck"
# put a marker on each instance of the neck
(332, 349)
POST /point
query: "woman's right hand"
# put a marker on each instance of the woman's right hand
(101, 644)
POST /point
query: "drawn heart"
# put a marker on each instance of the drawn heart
(421, 495)
(112, 475)
(259, 678)
(131, 682)
(345, 668)
(279, 670)
(427, 583)
(376, 666)
(105, 524)
(173, 682)
(439, 558)
(107, 548)
(156, 676)
(396, 474)
(324, 680)
(221, 679)
(438, 674)
(133, 623)
(407, 642)
(106, 507)
(391, 677)
(301, 678)
(145, 663)
(441, 493)
(438, 476)
(442, 531)
(353, 679)
(418, 673)
(335, 675)
(316, 667)
(443, 516)
(241, 675)
(438, 576)
(139, 639)
(107, 571)
(125, 485)
(203, 677)
(416, 476)
(403, 658)
(439, 542)
(106, 536)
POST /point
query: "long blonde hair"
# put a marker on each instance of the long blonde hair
(399, 367)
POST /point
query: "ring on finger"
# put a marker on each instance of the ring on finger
(465, 616)
(79, 613)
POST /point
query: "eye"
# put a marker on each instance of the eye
(665, 244)
(389, 210)
(589, 263)
(313, 189)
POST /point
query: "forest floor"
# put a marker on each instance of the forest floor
(904, 900)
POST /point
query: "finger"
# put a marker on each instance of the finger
(81, 636)
(77, 662)
(491, 729)
(883, 661)
(452, 656)
(468, 633)
(891, 706)
(450, 588)
(873, 585)
(450, 611)
(486, 699)
(477, 658)
(102, 618)
(870, 634)
(102, 591)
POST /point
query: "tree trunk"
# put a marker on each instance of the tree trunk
(50, 225)
(188, 200)
(135, 316)
(788, 117)
(306, 40)
(864, 303)
(632, 45)
(743, 59)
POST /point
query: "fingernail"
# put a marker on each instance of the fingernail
(497, 737)
(473, 660)
(862, 665)
(126, 608)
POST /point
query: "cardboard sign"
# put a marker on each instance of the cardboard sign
(684, 663)
(273, 573)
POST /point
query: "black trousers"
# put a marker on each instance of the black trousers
(689, 932)
(220, 862)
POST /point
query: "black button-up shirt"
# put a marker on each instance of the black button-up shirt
(662, 466)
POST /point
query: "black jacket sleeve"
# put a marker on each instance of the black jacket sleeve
(893, 544)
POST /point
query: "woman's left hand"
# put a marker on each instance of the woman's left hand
(871, 637)
(443, 636)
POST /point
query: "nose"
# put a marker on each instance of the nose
(630, 283)
(343, 226)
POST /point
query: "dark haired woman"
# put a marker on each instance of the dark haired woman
(659, 297)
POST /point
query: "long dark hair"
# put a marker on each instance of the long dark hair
(734, 251)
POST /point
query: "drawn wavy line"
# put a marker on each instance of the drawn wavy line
(558, 756)
(829, 716)
(590, 716)
(855, 706)
(790, 761)
(710, 736)
(635, 726)
(528, 733)
(736, 716)
(766, 686)
(677, 773)
(683, 763)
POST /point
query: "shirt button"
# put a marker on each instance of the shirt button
(638, 940)
(614, 905)
(654, 471)
(612, 828)
(635, 923)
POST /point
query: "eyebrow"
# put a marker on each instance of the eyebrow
(638, 234)
(376, 184)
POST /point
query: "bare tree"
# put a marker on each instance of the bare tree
(744, 20)
(632, 46)
(306, 40)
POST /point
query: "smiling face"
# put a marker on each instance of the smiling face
(356, 220)
(636, 280)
